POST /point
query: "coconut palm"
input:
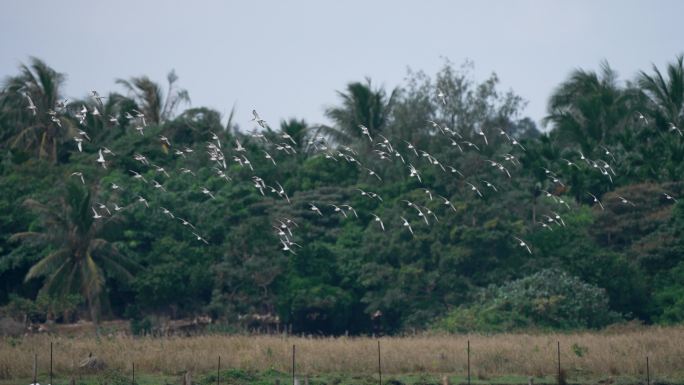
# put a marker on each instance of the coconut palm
(361, 104)
(148, 95)
(79, 259)
(590, 108)
(24, 129)
(666, 95)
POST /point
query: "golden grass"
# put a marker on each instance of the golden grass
(607, 354)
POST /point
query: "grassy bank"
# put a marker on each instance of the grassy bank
(508, 358)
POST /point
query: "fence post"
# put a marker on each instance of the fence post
(559, 364)
(35, 368)
(468, 362)
(218, 372)
(648, 373)
(293, 364)
(379, 363)
(50, 363)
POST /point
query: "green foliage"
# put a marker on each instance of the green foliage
(547, 299)
(465, 272)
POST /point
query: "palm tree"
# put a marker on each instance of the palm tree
(666, 95)
(360, 105)
(148, 94)
(27, 130)
(590, 108)
(80, 259)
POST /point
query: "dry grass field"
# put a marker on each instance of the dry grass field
(617, 353)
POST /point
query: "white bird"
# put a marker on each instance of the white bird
(140, 116)
(84, 134)
(669, 197)
(167, 212)
(238, 146)
(101, 159)
(373, 173)
(97, 96)
(286, 247)
(349, 208)
(447, 202)
(56, 120)
(104, 207)
(282, 192)
(442, 96)
(158, 185)
(164, 139)
(95, 214)
(471, 144)
(32, 107)
(287, 136)
(185, 222)
(607, 152)
(374, 195)
(107, 151)
(364, 131)
(184, 170)
(558, 218)
(117, 208)
(79, 143)
(338, 210)
(408, 225)
(142, 159)
(596, 200)
(258, 120)
(116, 187)
(140, 129)
(160, 169)
(522, 243)
(428, 193)
(143, 200)
(642, 117)
(455, 171)
(473, 188)
(199, 238)
(490, 185)
(625, 201)
(569, 163)
(675, 128)
(482, 134)
(413, 172)
(79, 174)
(207, 192)
(269, 157)
(544, 225)
(247, 162)
(113, 119)
(315, 209)
(410, 146)
(138, 176)
(377, 219)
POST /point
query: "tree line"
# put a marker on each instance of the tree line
(594, 260)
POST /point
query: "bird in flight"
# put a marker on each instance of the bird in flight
(522, 243)
(407, 225)
(78, 174)
(31, 107)
(596, 200)
(377, 219)
(258, 120)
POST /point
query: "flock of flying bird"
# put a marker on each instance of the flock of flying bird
(382, 148)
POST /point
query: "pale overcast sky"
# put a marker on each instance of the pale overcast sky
(287, 58)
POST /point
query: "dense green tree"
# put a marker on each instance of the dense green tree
(79, 260)
(40, 130)
(150, 97)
